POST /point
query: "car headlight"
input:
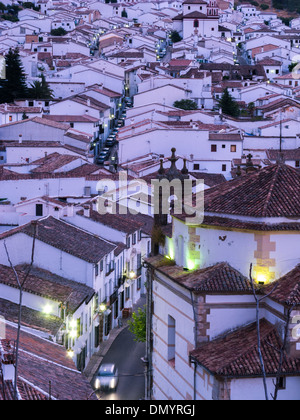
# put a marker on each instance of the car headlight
(112, 384)
(97, 383)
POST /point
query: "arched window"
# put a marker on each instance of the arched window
(196, 23)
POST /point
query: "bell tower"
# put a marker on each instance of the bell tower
(161, 216)
(212, 8)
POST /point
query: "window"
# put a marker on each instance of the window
(128, 242)
(233, 148)
(101, 265)
(196, 167)
(134, 239)
(223, 146)
(213, 147)
(39, 210)
(10, 118)
(224, 168)
(96, 270)
(171, 340)
(282, 383)
(297, 164)
(196, 23)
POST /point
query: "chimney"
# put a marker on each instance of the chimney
(70, 210)
(87, 210)
(7, 360)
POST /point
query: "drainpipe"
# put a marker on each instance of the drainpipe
(147, 360)
(192, 360)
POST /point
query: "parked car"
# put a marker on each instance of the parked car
(107, 378)
(102, 158)
(110, 142)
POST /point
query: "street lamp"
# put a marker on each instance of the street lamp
(102, 307)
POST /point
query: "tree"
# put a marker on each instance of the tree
(186, 104)
(281, 350)
(40, 89)
(229, 105)
(58, 32)
(21, 285)
(292, 66)
(14, 86)
(251, 109)
(137, 325)
(175, 37)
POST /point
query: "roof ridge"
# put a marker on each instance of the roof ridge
(267, 200)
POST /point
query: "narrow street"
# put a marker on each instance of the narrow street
(126, 354)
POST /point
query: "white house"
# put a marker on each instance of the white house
(203, 312)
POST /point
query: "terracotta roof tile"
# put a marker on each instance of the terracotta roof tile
(67, 238)
(287, 289)
(220, 278)
(41, 361)
(273, 191)
(236, 354)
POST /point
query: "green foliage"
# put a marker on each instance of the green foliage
(137, 325)
(292, 66)
(58, 32)
(175, 37)
(14, 86)
(40, 89)
(186, 104)
(289, 5)
(286, 20)
(264, 6)
(229, 105)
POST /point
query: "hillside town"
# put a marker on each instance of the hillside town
(149, 172)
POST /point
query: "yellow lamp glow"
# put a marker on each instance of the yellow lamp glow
(73, 334)
(70, 353)
(73, 324)
(191, 264)
(261, 279)
(47, 309)
(102, 307)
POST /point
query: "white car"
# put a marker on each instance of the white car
(107, 378)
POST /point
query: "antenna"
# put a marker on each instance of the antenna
(280, 131)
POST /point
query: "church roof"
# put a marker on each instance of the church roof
(273, 191)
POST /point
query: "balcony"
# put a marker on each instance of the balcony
(113, 297)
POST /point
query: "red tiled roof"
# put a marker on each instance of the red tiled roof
(41, 361)
(287, 289)
(122, 223)
(273, 191)
(52, 162)
(236, 354)
(48, 324)
(67, 238)
(220, 278)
